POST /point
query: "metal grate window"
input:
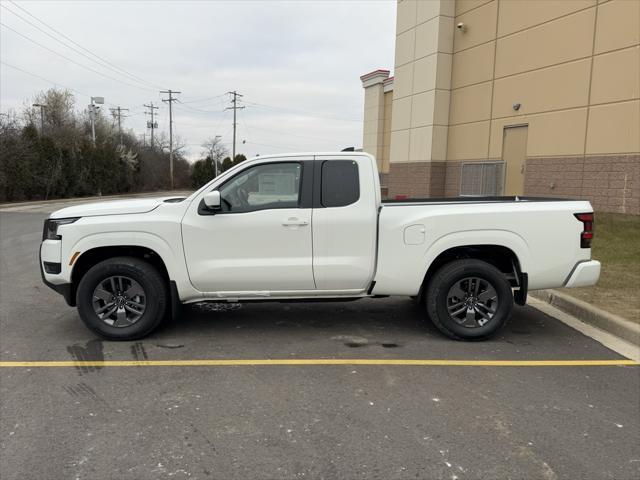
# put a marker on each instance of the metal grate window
(482, 179)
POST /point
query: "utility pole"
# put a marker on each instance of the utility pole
(151, 125)
(234, 106)
(42, 107)
(170, 101)
(215, 162)
(119, 116)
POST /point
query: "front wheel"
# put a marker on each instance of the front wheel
(469, 300)
(122, 298)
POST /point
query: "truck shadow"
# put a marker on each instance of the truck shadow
(386, 323)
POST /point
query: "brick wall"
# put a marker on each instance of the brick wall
(384, 180)
(452, 179)
(610, 182)
(416, 179)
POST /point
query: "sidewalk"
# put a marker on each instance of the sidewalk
(591, 315)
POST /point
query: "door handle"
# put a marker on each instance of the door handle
(294, 222)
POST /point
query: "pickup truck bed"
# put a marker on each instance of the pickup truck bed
(470, 199)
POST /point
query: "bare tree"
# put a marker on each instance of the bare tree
(216, 152)
(59, 159)
(162, 142)
(215, 148)
(59, 110)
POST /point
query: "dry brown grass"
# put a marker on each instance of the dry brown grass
(617, 246)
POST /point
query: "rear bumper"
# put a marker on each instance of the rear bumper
(584, 274)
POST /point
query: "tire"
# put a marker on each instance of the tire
(483, 313)
(140, 308)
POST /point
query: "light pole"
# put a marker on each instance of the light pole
(42, 107)
(92, 114)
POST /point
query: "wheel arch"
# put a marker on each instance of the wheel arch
(500, 256)
(91, 257)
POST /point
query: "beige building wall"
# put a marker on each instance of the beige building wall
(566, 70)
(422, 81)
(378, 100)
(386, 136)
(373, 127)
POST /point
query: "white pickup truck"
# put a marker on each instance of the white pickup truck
(312, 226)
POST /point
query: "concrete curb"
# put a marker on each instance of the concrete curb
(613, 324)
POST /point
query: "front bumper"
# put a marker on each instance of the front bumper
(584, 274)
(64, 289)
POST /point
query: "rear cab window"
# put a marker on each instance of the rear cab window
(340, 183)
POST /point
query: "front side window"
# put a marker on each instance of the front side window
(340, 183)
(263, 187)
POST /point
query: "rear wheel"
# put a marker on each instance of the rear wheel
(122, 298)
(469, 300)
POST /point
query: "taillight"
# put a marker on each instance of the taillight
(587, 229)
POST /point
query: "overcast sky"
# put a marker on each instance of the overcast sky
(297, 63)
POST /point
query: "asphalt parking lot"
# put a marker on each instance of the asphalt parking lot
(346, 421)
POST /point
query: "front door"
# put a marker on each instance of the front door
(514, 154)
(261, 240)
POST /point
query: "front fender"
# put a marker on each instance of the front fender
(134, 239)
(169, 257)
(172, 257)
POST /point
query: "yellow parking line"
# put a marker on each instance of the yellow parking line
(318, 361)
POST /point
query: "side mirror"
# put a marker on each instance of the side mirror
(212, 200)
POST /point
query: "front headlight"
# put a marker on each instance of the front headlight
(51, 225)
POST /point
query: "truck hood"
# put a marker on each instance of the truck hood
(114, 207)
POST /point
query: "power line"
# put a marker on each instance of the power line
(73, 61)
(56, 84)
(192, 144)
(99, 62)
(227, 131)
(287, 134)
(272, 146)
(307, 137)
(189, 124)
(246, 127)
(140, 79)
(301, 112)
(197, 110)
(170, 101)
(264, 144)
(219, 124)
(204, 100)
